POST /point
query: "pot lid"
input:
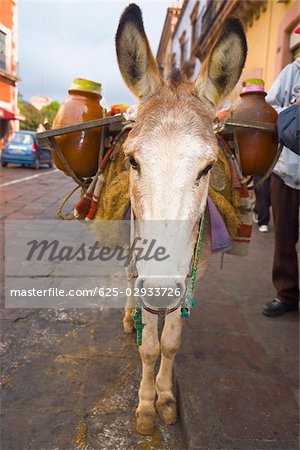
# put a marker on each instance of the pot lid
(253, 85)
(86, 85)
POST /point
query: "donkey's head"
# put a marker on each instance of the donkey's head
(172, 146)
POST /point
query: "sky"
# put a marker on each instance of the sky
(62, 40)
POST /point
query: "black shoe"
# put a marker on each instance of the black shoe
(277, 308)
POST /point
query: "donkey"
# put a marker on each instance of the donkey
(171, 149)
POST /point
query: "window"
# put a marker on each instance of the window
(21, 138)
(173, 61)
(194, 24)
(2, 50)
(183, 48)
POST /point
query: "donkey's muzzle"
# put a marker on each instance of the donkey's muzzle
(160, 292)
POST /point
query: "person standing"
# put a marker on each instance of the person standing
(261, 211)
(288, 127)
(285, 185)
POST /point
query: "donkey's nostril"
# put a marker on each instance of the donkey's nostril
(181, 287)
(160, 292)
(139, 284)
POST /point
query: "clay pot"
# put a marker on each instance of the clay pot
(257, 148)
(81, 149)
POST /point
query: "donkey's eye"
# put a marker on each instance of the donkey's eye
(133, 163)
(203, 172)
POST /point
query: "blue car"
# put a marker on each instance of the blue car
(21, 148)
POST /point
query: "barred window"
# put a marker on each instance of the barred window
(183, 48)
(194, 23)
(2, 50)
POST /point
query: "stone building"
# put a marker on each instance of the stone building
(269, 27)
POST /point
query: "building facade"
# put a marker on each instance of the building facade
(9, 113)
(187, 28)
(165, 52)
(269, 27)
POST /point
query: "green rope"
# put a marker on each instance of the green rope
(138, 324)
(190, 300)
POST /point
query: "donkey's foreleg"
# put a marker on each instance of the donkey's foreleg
(149, 350)
(170, 343)
(130, 304)
(127, 320)
(130, 301)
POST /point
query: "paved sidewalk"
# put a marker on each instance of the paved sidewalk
(238, 370)
(70, 381)
(36, 198)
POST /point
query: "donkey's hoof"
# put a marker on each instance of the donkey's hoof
(128, 326)
(167, 411)
(145, 422)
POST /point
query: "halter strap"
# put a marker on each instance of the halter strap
(187, 302)
(160, 311)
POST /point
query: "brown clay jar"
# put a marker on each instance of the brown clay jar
(257, 148)
(81, 149)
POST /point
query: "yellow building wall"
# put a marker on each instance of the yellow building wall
(262, 38)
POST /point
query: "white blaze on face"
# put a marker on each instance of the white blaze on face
(168, 178)
(167, 189)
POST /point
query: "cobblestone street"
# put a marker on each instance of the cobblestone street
(70, 377)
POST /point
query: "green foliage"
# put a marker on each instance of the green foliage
(49, 112)
(34, 117)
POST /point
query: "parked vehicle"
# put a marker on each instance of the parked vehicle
(21, 148)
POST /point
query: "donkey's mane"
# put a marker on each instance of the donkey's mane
(176, 76)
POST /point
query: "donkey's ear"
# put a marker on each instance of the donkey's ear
(136, 61)
(223, 67)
